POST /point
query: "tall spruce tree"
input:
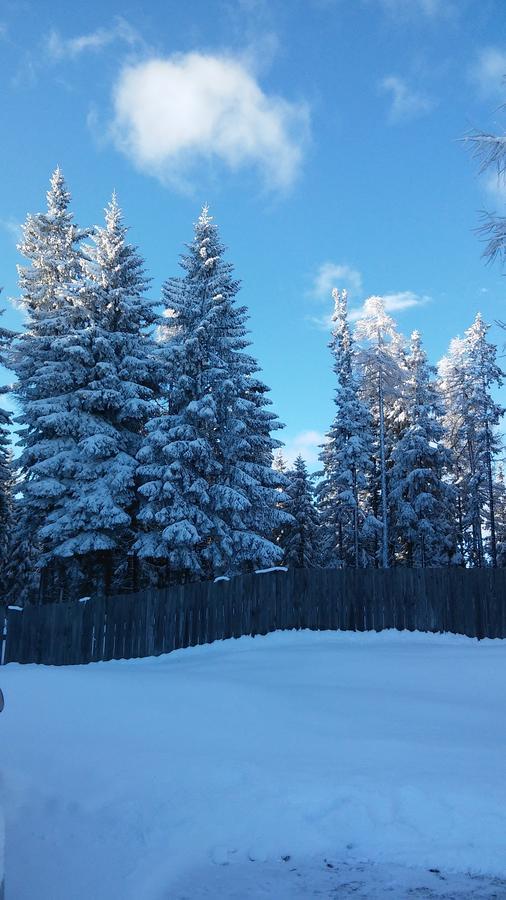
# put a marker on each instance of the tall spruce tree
(452, 385)
(380, 356)
(22, 571)
(6, 501)
(6, 478)
(421, 500)
(116, 379)
(346, 455)
(484, 376)
(300, 536)
(280, 465)
(500, 515)
(468, 375)
(50, 294)
(211, 504)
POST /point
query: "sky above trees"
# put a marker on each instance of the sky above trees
(324, 134)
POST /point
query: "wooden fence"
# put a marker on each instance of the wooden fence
(460, 601)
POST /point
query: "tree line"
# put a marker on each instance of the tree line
(147, 441)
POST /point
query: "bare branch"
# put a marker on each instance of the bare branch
(493, 230)
(489, 149)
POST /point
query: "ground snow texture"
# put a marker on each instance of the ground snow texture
(288, 766)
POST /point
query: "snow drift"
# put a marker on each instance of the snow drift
(203, 772)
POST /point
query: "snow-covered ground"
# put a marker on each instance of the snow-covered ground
(277, 767)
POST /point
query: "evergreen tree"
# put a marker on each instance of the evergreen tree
(22, 570)
(116, 379)
(211, 503)
(50, 286)
(301, 535)
(346, 455)
(484, 375)
(452, 385)
(500, 515)
(281, 467)
(280, 463)
(6, 501)
(6, 492)
(469, 373)
(379, 356)
(421, 500)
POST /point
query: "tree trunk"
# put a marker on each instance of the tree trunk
(491, 500)
(355, 518)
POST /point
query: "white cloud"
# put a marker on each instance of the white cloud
(407, 9)
(489, 72)
(406, 103)
(307, 444)
(59, 47)
(494, 184)
(13, 229)
(404, 300)
(172, 113)
(402, 10)
(322, 322)
(396, 302)
(331, 275)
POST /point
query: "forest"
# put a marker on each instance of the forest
(144, 451)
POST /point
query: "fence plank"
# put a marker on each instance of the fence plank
(13, 636)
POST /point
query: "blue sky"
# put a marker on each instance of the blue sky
(324, 134)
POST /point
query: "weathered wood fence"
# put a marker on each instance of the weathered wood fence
(471, 602)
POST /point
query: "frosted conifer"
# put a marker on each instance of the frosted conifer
(116, 381)
(346, 455)
(468, 375)
(379, 357)
(6, 479)
(300, 536)
(210, 493)
(421, 500)
(50, 294)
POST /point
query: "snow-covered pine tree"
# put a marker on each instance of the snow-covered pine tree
(379, 358)
(22, 572)
(468, 375)
(300, 537)
(50, 286)
(452, 385)
(484, 376)
(280, 463)
(6, 500)
(211, 498)
(346, 455)
(500, 515)
(6, 479)
(116, 380)
(421, 500)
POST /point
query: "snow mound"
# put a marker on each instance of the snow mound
(264, 767)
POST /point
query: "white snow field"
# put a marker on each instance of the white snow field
(288, 766)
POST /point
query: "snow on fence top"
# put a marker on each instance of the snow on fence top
(272, 569)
